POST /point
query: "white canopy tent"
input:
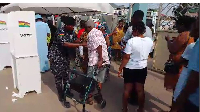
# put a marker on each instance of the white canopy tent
(59, 8)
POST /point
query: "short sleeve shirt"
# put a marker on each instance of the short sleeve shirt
(41, 34)
(95, 39)
(139, 49)
(60, 38)
(184, 73)
(129, 31)
(188, 51)
(194, 65)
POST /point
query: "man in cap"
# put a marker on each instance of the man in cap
(42, 32)
(97, 52)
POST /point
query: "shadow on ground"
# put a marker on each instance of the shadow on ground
(112, 93)
(48, 79)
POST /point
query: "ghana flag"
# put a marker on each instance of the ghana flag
(24, 24)
(2, 22)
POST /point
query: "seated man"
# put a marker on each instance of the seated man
(97, 52)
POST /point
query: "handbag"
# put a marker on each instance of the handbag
(171, 66)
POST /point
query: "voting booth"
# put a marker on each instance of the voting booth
(5, 57)
(24, 54)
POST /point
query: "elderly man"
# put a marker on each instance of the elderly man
(97, 52)
(42, 32)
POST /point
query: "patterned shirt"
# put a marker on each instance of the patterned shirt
(57, 47)
(95, 39)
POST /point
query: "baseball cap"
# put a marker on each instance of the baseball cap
(38, 16)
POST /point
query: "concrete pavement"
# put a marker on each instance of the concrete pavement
(157, 98)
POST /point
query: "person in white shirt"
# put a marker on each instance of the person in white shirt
(134, 64)
(137, 16)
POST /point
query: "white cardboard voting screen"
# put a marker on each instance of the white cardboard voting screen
(22, 26)
(4, 43)
(5, 57)
(3, 29)
(23, 46)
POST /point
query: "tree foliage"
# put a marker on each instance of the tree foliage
(183, 8)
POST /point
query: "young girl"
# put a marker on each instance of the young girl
(118, 34)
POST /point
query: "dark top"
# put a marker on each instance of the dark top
(57, 48)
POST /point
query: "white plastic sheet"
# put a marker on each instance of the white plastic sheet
(5, 57)
(23, 33)
(59, 8)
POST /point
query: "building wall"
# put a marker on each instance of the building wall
(161, 51)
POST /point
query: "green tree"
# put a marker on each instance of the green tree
(186, 7)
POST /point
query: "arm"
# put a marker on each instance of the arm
(97, 44)
(126, 57)
(191, 86)
(127, 35)
(99, 51)
(125, 60)
(193, 79)
(107, 41)
(67, 44)
(66, 41)
(175, 45)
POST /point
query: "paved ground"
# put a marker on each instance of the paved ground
(157, 98)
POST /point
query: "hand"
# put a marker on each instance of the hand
(99, 63)
(167, 38)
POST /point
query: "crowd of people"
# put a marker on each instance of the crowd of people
(131, 44)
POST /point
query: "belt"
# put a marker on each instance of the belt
(138, 60)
